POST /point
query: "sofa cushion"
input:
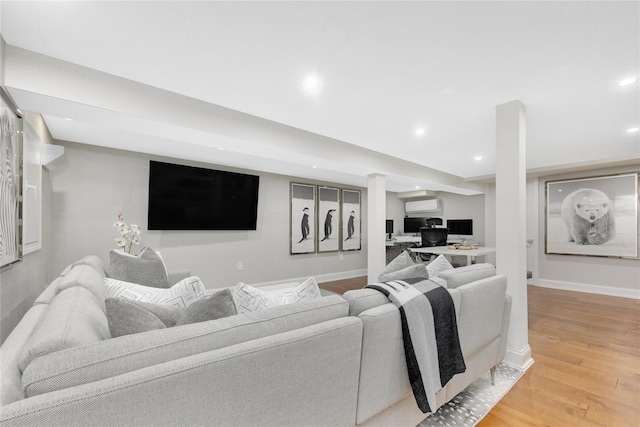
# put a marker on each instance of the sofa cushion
(128, 353)
(467, 274)
(74, 318)
(182, 294)
(79, 274)
(416, 270)
(147, 268)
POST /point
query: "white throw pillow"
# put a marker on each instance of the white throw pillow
(249, 298)
(182, 294)
(306, 290)
(400, 262)
(438, 265)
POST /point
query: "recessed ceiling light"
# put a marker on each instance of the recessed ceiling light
(220, 148)
(314, 166)
(631, 130)
(477, 158)
(627, 82)
(419, 131)
(311, 83)
(68, 119)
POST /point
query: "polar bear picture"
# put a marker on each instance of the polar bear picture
(588, 215)
(593, 216)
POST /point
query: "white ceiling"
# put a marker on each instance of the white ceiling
(386, 68)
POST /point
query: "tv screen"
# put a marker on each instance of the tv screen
(462, 227)
(192, 198)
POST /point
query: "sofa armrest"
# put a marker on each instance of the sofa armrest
(482, 305)
(504, 335)
(470, 273)
(363, 299)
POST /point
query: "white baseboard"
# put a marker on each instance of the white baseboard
(320, 278)
(519, 359)
(592, 289)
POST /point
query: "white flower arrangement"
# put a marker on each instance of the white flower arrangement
(129, 235)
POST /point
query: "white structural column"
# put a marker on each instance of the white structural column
(376, 215)
(511, 223)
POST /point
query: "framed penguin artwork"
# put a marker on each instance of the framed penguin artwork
(351, 220)
(328, 235)
(302, 219)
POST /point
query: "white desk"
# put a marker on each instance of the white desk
(471, 254)
(408, 239)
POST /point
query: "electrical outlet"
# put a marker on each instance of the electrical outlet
(240, 266)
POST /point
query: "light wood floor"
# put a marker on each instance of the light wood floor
(586, 349)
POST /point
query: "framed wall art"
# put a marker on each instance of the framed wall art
(593, 216)
(351, 220)
(10, 182)
(328, 235)
(302, 219)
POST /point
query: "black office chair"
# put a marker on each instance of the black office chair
(432, 237)
(432, 222)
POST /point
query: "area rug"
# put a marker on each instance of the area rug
(472, 404)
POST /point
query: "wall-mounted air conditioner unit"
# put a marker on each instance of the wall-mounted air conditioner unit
(431, 205)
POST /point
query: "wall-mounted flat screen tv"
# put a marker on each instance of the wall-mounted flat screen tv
(461, 227)
(192, 198)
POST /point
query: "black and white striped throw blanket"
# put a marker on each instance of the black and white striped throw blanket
(430, 334)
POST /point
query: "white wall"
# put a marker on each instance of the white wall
(611, 276)
(456, 206)
(97, 183)
(395, 211)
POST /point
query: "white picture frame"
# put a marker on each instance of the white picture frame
(31, 189)
(10, 182)
(596, 216)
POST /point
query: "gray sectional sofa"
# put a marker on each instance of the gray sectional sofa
(331, 361)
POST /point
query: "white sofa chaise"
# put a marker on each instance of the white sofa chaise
(331, 361)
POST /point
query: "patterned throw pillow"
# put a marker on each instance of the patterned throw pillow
(248, 298)
(306, 290)
(182, 294)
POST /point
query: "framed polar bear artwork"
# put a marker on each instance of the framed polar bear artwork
(593, 216)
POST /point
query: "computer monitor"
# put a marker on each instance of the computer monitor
(389, 227)
(413, 224)
(460, 227)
